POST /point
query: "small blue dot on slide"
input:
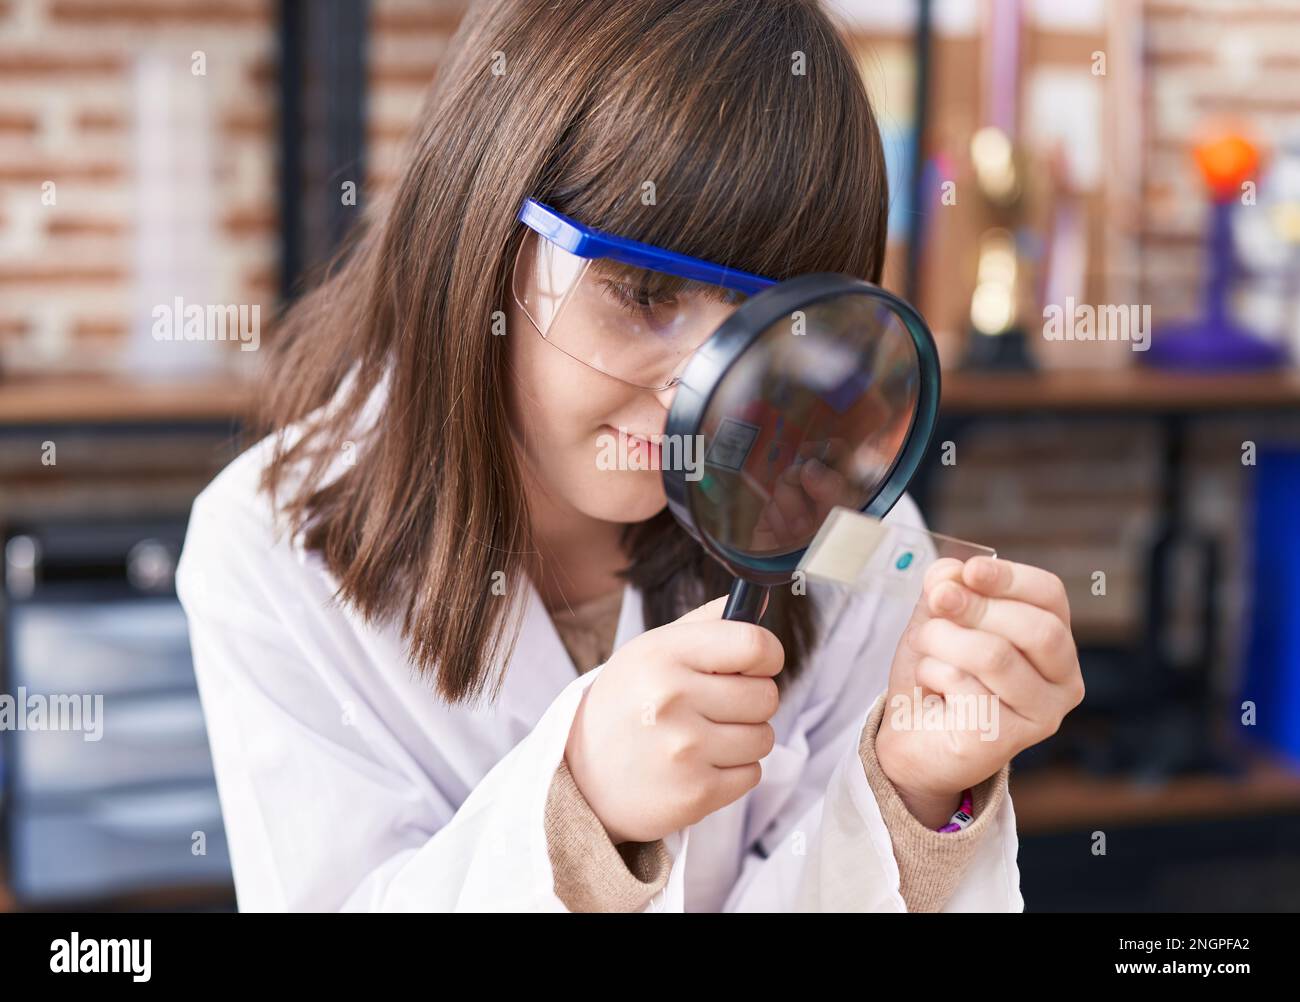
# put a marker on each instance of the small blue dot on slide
(904, 562)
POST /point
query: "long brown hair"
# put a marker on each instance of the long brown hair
(749, 120)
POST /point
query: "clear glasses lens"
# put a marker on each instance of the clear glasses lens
(634, 324)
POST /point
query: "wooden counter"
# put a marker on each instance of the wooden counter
(1119, 390)
(114, 399)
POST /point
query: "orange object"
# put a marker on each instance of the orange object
(1226, 161)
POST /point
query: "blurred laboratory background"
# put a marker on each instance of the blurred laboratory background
(1096, 204)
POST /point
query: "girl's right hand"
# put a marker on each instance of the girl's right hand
(674, 727)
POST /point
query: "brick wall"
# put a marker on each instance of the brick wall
(1083, 495)
(74, 75)
(69, 99)
(407, 40)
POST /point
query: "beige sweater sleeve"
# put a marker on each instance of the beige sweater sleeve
(593, 875)
(930, 863)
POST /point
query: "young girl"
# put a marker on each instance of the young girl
(449, 661)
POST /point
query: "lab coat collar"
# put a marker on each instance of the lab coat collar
(540, 666)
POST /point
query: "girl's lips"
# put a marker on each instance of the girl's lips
(634, 442)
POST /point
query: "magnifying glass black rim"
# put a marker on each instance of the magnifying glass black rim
(701, 379)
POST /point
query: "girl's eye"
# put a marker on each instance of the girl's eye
(640, 300)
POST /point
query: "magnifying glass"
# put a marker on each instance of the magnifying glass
(815, 393)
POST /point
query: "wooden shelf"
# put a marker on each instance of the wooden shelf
(1056, 799)
(117, 399)
(112, 399)
(1118, 390)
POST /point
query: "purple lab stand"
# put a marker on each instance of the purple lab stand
(1213, 343)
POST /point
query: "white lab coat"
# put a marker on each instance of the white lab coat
(346, 784)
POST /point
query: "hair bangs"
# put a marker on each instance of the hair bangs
(711, 143)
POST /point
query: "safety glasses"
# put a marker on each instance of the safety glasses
(631, 310)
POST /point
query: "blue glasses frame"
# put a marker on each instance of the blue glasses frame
(588, 242)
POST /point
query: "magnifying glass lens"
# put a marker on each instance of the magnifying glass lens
(813, 414)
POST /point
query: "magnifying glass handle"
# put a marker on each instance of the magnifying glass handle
(747, 601)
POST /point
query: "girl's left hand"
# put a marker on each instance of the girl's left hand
(992, 640)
